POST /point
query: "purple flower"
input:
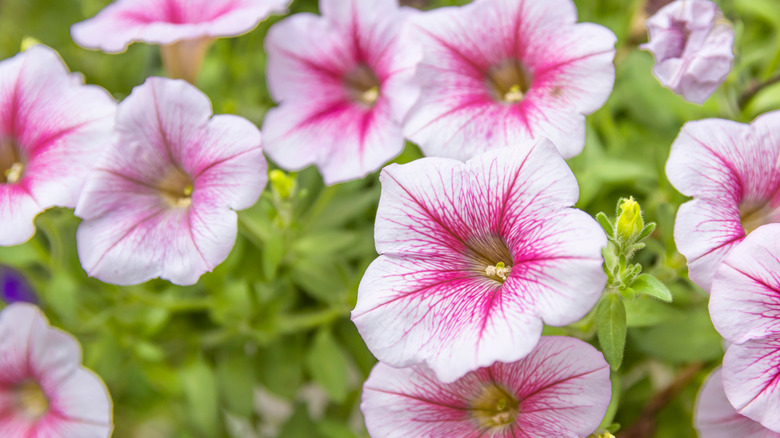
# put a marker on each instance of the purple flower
(475, 257)
(343, 81)
(692, 44)
(732, 171)
(561, 389)
(497, 72)
(715, 417)
(44, 390)
(14, 287)
(163, 200)
(52, 129)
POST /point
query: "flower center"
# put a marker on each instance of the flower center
(491, 256)
(754, 214)
(29, 400)
(176, 187)
(509, 81)
(677, 44)
(362, 85)
(494, 408)
(11, 163)
(500, 271)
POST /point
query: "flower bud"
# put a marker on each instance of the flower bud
(630, 221)
(282, 183)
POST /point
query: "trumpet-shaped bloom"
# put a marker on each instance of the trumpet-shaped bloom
(44, 390)
(732, 171)
(693, 47)
(474, 257)
(343, 81)
(162, 201)
(52, 128)
(496, 72)
(715, 417)
(561, 389)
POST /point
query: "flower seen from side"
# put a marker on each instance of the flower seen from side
(561, 389)
(52, 129)
(343, 81)
(497, 72)
(732, 171)
(14, 287)
(162, 201)
(475, 257)
(184, 28)
(44, 390)
(693, 47)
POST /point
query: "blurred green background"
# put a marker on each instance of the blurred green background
(263, 346)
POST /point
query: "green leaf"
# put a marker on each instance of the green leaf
(646, 231)
(646, 284)
(328, 366)
(689, 337)
(605, 223)
(200, 389)
(646, 312)
(236, 378)
(611, 326)
(273, 252)
(280, 366)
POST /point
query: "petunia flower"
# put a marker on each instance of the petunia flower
(14, 287)
(184, 28)
(343, 81)
(475, 257)
(44, 390)
(561, 389)
(496, 72)
(693, 47)
(732, 171)
(162, 201)
(715, 417)
(52, 129)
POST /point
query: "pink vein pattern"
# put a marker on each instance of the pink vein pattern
(32, 353)
(732, 171)
(133, 230)
(567, 68)
(442, 224)
(561, 388)
(343, 81)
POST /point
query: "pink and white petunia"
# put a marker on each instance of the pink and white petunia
(475, 257)
(344, 85)
(715, 417)
(162, 201)
(52, 129)
(732, 171)
(561, 389)
(44, 390)
(693, 47)
(496, 72)
(184, 28)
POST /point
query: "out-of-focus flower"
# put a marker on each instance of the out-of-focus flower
(343, 81)
(14, 287)
(496, 72)
(732, 171)
(44, 390)
(474, 257)
(52, 128)
(561, 389)
(693, 47)
(715, 417)
(184, 28)
(162, 201)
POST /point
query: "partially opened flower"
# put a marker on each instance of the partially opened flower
(14, 287)
(44, 390)
(343, 81)
(732, 171)
(561, 389)
(693, 47)
(496, 72)
(474, 257)
(715, 417)
(184, 28)
(162, 201)
(52, 129)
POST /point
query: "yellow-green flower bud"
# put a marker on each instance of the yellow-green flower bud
(28, 42)
(630, 221)
(282, 183)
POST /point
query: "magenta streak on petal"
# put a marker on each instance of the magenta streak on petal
(124, 236)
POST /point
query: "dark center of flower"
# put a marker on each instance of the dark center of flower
(491, 256)
(677, 45)
(754, 214)
(494, 407)
(11, 162)
(362, 85)
(176, 187)
(29, 400)
(509, 81)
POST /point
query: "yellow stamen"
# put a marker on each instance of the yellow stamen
(14, 173)
(370, 96)
(514, 95)
(500, 270)
(30, 400)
